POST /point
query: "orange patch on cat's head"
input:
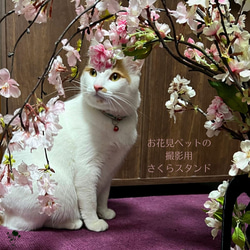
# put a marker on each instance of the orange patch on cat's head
(121, 69)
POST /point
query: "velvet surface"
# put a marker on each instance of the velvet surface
(171, 222)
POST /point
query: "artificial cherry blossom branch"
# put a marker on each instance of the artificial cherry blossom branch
(7, 14)
(11, 54)
(189, 63)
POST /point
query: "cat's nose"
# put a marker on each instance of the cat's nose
(98, 87)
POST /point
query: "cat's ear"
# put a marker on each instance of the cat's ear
(134, 66)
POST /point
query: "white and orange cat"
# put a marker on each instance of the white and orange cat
(99, 128)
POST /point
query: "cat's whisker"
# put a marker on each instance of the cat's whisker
(75, 81)
(126, 101)
(120, 105)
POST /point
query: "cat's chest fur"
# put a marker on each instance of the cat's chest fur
(85, 125)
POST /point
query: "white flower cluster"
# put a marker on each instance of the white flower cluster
(214, 220)
(180, 94)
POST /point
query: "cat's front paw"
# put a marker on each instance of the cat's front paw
(107, 214)
(97, 226)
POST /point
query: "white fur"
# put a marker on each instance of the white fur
(86, 155)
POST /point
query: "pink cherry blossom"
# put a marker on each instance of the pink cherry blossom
(219, 108)
(154, 16)
(100, 33)
(241, 68)
(163, 29)
(211, 31)
(41, 124)
(217, 114)
(72, 55)
(213, 51)
(100, 57)
(194, 54)
(48, 204)
(22, 177)
(54, 76)
(30, 11)
(46, 185)
(55, 106)
(118, 32)
(111, 5)
(8, 86)
(183, 15)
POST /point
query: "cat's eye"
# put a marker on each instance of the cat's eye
(93, 72)
(115, 77)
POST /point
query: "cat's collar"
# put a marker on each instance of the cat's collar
(115, 119)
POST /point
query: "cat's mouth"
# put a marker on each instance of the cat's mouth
(99, 98)
(100, 95)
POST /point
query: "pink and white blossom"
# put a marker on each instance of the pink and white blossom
(8, 86)
(22, 177)
(54, 76)
(111, 5)
(118, 32)
(181, 86)
(183, 15)
(193, 53)
(220, 192)
(213, 207)
(211, 31)
(215, 224)
(100, 57)
(30, 12)
(233, 171)
(217, 114)
(72, 54)
(40, 126)
(180, 94)
(46, 185)
(241, 159)
(48, 204)
(30, 9)
(163, 28)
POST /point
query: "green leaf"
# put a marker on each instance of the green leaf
(238, 237)
(246, 217)
(139, 53)
(231, 96)
(220, 200)
(218, 215)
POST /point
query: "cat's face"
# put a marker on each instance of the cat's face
(114, 90)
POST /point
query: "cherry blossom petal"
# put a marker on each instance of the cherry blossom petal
(4, 76)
